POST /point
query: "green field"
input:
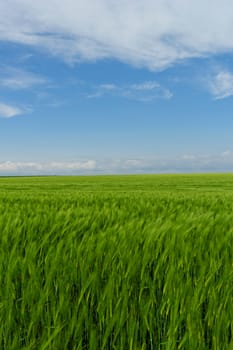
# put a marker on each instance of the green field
(116, 262)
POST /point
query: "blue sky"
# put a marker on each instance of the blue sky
(116, 87)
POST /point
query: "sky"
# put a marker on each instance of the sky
(108, 87)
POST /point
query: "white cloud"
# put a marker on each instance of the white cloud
(108, 87)
(144, 92)
(226, 153)
(9, 111)
(19, 79)
(149, 33)
(77, 165)
(146, 86)
(10, 167)
(178, 164)
(221, 85)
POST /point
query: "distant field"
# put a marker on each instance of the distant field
(141, 262)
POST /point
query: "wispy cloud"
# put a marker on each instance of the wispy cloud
(221, 85)
(10, 167)
(10, 111)
(145, 92)
(18, 79)
(154, 34)
(187, 163)
(146, 86)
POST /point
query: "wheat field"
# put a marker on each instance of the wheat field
(141, 262)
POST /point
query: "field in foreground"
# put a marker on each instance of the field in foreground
(116, 263)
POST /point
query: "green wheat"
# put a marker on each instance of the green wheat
(116, 262)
